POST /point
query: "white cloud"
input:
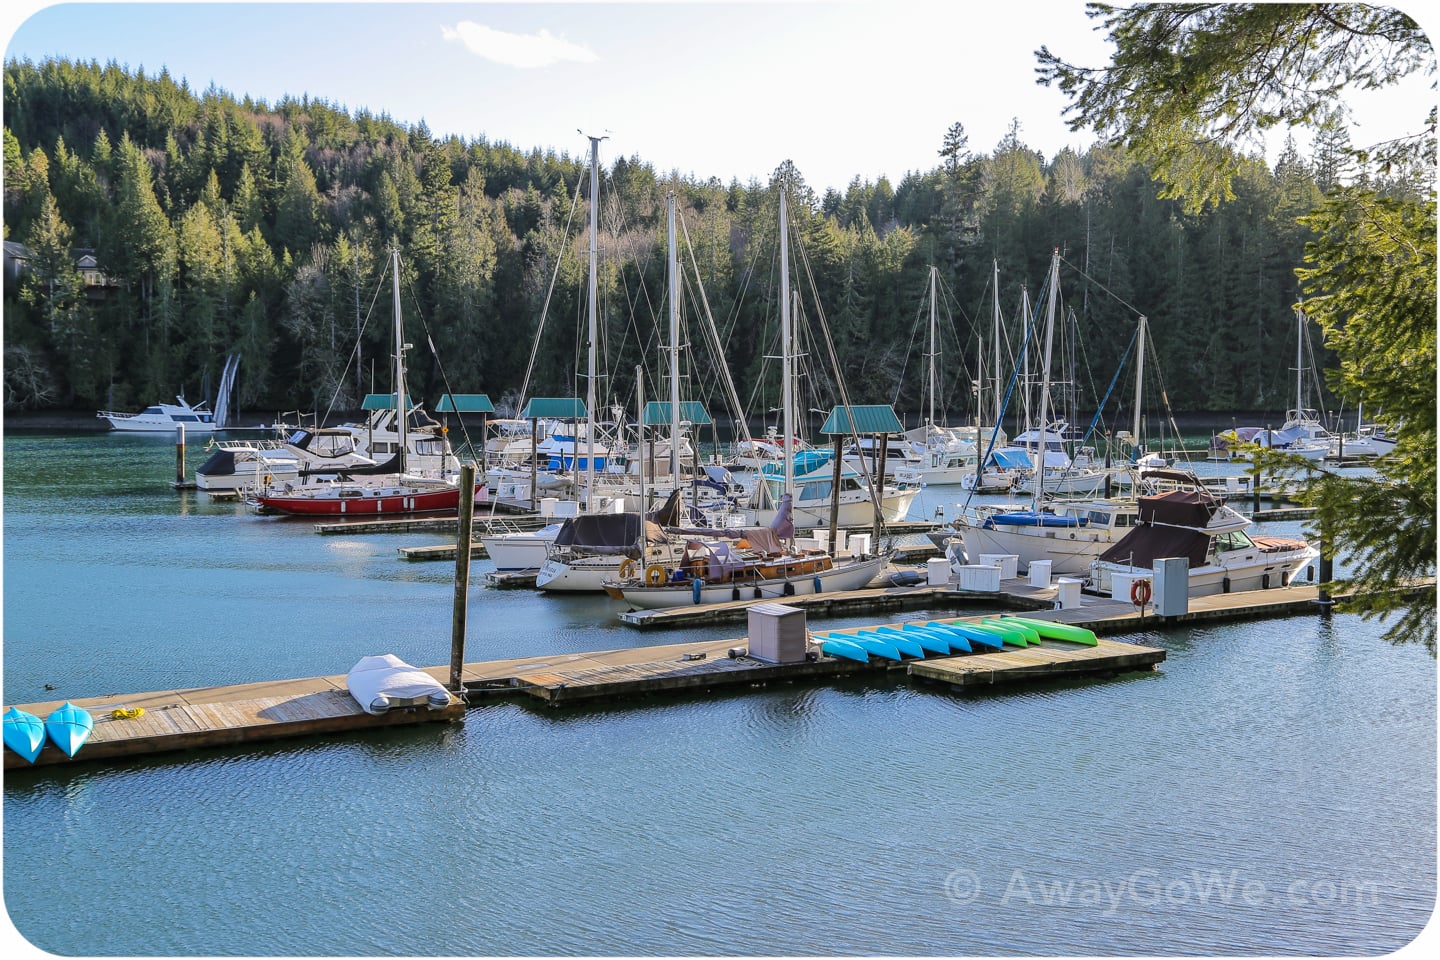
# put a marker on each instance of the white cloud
(515, 49)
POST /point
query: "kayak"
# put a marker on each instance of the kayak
(69, 727)
(24, 733)
(837, 647)
(1058, 631)
(1011, 635)
(875, 645)
(931, 642)
(906, 646)
(1032, 636)
(958, 642)
(976, 635)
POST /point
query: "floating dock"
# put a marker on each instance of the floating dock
(189, 720)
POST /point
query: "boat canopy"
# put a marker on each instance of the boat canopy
(1171, 525)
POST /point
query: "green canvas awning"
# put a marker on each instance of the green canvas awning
(383, 401)
(465, 403)
(862, 420)
(657, 413)
(554, 408)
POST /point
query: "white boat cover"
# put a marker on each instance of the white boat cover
(397, 682)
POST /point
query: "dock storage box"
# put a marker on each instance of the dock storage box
(1040, 573)
(979, 577)
(1009, 564)
(1068, 592)
(777, 633)
(1172, 586)
(937, 571)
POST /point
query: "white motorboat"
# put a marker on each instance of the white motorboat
(164, 418)
(1196, 525)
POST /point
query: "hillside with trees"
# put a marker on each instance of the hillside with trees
(224, 225)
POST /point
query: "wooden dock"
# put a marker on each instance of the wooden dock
(179, 720)
(189, 720)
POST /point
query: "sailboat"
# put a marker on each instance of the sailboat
(942, 454)
(1069, 535)
(762, 559)
(378, 489)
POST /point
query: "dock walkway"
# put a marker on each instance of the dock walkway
(186, 720)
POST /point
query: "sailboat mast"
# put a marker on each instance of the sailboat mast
(1045, 375)
(933, 272)
(1299, 362)
(996, 338)
(674, 346)
(787, 399)
(593, 316)
(402, 416)
(1139, 378)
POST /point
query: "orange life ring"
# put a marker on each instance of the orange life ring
(1140, 592)
(654, 575)
(627, 568)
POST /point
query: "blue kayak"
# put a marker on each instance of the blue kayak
(875, 645)
(847, 649)
(69, 727)
(975, 635)
(906, 646)
(24, 733)
(931, 642)
(957, 641)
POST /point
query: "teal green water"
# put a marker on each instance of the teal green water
(1270, 791)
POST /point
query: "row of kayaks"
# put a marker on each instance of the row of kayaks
(67, 726)
(946, 638)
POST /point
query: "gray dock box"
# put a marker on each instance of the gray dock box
(777, 633)
(1172, 586)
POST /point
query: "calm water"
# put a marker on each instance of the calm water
(1270, 791)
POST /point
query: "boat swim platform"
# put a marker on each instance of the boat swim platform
(180, 721)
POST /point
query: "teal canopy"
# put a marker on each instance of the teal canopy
(863, 420)
(465, 403)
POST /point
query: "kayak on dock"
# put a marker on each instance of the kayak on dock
(1057, 631)
(24, 733)
(69, 726)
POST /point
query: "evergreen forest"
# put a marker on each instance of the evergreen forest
(222, 225)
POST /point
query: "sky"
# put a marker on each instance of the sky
(841, 88)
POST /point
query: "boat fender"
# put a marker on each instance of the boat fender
(627, 568)
(654, 575)
(1264, 581)
(789, 588)
(758, 594)
(734, 593)
(735, 653)
(817, 584)
(696, 586)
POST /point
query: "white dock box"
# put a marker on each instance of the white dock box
(1040, 573)
(859, 544)
(978, 577)
(1120, 584)
(1009, 564)
(937, 571)
(777, 633)
(1068, 591)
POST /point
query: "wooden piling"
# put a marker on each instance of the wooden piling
(462, 578)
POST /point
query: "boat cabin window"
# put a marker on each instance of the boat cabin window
(1234, 540)
(153, 410)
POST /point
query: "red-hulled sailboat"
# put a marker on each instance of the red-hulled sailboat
(373, 489)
